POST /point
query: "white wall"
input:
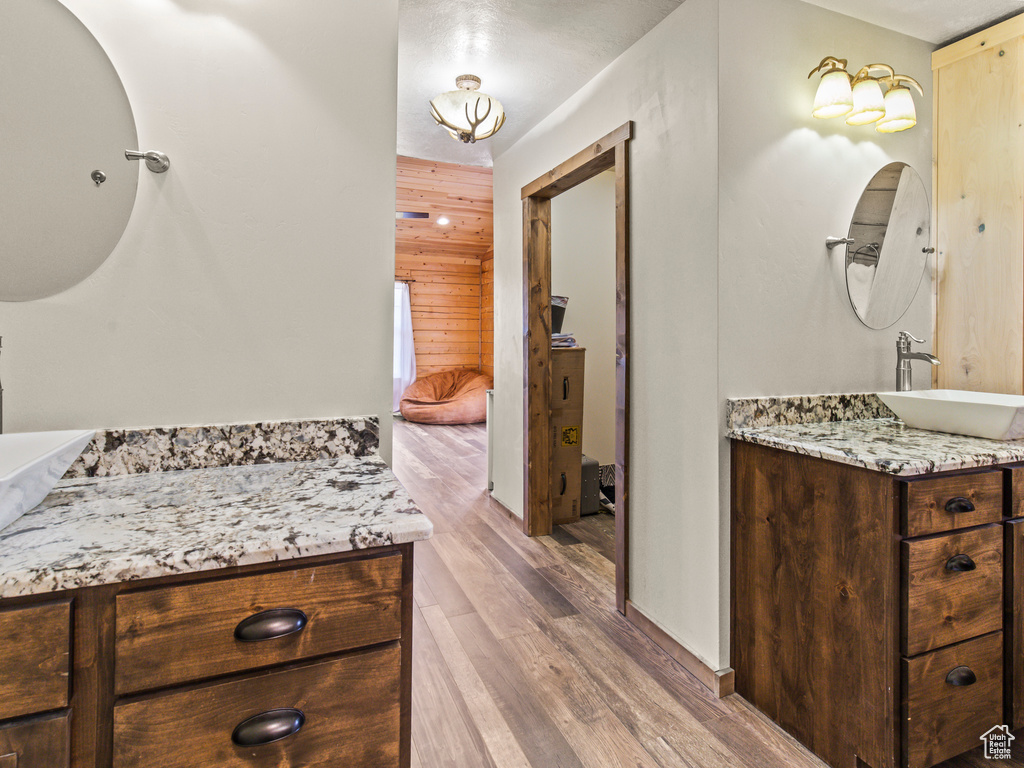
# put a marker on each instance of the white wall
(237, 289)
(787, 181)
(667, 84)
(733, 292)
(583, 268)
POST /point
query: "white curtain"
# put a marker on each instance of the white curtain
(405, 355)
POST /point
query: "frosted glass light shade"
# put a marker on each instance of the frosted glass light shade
(900, 112)
(467, 114)
(868, 104)
(834, 97)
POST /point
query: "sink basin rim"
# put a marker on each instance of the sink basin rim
(31, 463)
(990, 415)
(48, 442)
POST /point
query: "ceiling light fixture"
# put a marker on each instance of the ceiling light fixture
(860, 97)
(467, 114)
(443, 221)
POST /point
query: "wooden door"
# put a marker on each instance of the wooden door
(979, 210)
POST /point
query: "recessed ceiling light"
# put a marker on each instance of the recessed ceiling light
(443, 221)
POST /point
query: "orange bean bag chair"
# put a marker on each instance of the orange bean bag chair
(448, 397)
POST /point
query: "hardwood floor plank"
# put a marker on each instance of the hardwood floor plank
(490, 599)
(539, 737)
(421, 591)
(539, 587)
(597, 736)
(501, 743)
(442, 728)
(643, 706)
(593, 531)
(563, 537)
(443, 586)
(673, 678)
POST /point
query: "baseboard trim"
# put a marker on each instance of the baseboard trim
(720, 682)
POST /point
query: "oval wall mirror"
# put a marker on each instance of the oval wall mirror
(890, 231)
(64, 117)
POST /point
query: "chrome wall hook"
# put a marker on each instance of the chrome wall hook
(157, 162)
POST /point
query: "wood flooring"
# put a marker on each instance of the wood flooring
(520, 659)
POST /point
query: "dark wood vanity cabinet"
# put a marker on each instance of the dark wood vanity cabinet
(215, 668)
(879, 619)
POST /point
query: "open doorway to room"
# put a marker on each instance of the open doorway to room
(583, 363)
(542, 440)
(444, 315)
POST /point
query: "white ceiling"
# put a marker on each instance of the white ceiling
(533, 54)
(530, 54)
(936, 21)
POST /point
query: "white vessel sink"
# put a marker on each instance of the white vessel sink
(979, 414)
(31, 463)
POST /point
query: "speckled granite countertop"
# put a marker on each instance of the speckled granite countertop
(92, 531)
(885, 445)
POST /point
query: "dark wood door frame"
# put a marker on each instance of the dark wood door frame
(608, 153)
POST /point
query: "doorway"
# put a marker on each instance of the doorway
(610, 153)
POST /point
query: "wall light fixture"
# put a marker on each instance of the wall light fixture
(860, 97)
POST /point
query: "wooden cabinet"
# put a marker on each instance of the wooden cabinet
(300, 613)
(36, 742)
(567, 366)
(978, 193)
(878, 619)
(35, 658)
(168, 672)
(341, 712)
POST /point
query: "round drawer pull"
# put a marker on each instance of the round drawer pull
(961, 676)
(268, 625)
(958, 505)
(960, 563)
(268, 727)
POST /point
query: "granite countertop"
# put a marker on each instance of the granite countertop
(885, 445)
(101, 530)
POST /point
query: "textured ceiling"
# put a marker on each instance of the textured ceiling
(936, 21)
(533, 54)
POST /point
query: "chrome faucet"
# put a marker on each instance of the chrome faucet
(903, 358)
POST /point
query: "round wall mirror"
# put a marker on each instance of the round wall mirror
(67, 190)
(890, 233)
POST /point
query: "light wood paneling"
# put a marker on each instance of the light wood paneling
(487, 313)
(978, 198)
(444, 264)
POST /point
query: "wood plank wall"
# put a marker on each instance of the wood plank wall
(487, 314)
(449, 290)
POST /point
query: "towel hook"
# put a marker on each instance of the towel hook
(157, 162)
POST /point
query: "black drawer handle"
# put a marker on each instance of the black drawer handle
(961, 676)
(960, 563)
(958, 505)
(268, 727)
(268, 625)
(565, 388)
(565, 484)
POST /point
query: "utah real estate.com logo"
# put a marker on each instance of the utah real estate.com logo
(997, 742)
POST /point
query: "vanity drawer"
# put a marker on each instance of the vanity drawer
(952, 588)
(951, 697)
(938, 504)
(175, 634)
(350, 708)
(42, 742)
(34, 658)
